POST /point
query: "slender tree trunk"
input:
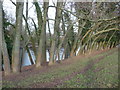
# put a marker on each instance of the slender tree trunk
(31, 38)
(29, 54)
(1, 29)
(56, 32)
(16, 48)
(40, 19)
(63, 25)
(50, 35)
(67, 51)
(41, 54)
(0, 59)
(36, 31)
(22, 43)
(33, 43)
(72, 53)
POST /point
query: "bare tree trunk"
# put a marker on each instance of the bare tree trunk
(67, 51)
(41, 54)
(76, 39)
(29, 54)
(6, 59)
(56, 31)
(22, 42)
(31, 38)
(40, 19)
(16, 48)
(0, 58)
(33, 43)
(1, 29)
(50, 35)
(36, 31)
(3, 45)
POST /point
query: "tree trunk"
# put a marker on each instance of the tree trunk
(16, 48)
(40, 19)
(76, 39)
(41, 54)
(1, 28)
(67, 51)
(29, 54)
(6, 59)
(56, 33)
(3, 46)
(0, 58)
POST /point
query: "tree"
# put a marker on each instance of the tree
(4, 50)
(56, 36)
(1, 29)
(16, 48)
(41, 53)
(25, 47)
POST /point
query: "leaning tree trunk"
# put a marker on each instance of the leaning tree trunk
(30, 56)
(31, 38)
(41, 54)
(16, 48)
(40, 19)
(3, 47)
(6, 59)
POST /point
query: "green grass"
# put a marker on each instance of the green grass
(106, 77)
(7, 84)
(88, 79)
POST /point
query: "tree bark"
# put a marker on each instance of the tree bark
(16, 48)
(6, 59)
(29, 54)
(41, 54)
(40, 19)
(56, 37)
(1, 28)
(3, 45)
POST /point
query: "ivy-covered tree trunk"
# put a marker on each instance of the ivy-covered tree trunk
(41, 54)
(16, 48)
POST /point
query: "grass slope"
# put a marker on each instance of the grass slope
(101, 75)
(99, 71)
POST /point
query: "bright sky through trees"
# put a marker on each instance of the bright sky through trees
(10, 9)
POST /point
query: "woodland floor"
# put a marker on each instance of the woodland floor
(98, 69)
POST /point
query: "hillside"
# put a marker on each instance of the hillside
(96, 70)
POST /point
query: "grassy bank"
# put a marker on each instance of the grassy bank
(94, 71)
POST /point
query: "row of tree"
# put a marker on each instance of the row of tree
(78, 28)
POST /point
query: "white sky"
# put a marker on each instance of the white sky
(11, 9)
